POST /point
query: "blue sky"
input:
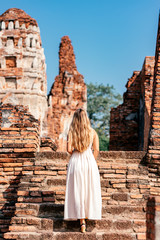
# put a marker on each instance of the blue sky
(110, 37)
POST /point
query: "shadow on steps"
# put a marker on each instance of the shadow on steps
(56, 213)
(8, 210)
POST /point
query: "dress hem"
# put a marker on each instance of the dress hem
(74, 219)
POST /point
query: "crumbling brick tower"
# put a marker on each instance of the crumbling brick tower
(22, 64)
(67, 94)
(134, 125)
(130, 121)
(154, 138)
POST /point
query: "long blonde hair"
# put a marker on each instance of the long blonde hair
(80, 131)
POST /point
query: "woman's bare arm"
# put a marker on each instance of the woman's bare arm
(95, 144)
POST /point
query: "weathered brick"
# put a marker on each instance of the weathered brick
(137, 196)
(120, 225)
(68, 76)
(45, 173)
(141, 236)
(120, 197)
(23, 193)
(35, 194)
(48, 199)
(62, 172)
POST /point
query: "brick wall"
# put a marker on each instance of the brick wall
(130, 121)
(150, 218)
(19, 141)
(153, 218)
(19, 131)
(154, 140)
(125, 185)
(124, 118)
(33, 188)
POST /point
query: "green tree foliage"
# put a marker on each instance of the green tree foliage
(100, 100)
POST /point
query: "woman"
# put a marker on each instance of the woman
(83, 190)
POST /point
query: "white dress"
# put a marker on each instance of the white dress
(83, 189)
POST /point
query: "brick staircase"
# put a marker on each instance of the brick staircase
(40, 203)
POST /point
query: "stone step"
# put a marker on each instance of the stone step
(51, 210)
(93, 236)
(54, 183)
(109, 157)
(61, 166)
(36, 225)
(103, 225)
(24, 235)
(131, 196)
(47, 210)
(54, 194)
(61, 156)
(31, 224)
(69, 236)
(27, 209)
(57, 210)
(121, 225)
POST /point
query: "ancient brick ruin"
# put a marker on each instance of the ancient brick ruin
(23, 76)
(130, 121)
(33, 175)
(67, 94)
(154, 137)
(22, 64)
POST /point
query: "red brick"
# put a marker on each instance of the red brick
(68, 76)
(141, 236)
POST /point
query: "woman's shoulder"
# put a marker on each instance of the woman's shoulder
(94, 133)
(95, 142)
